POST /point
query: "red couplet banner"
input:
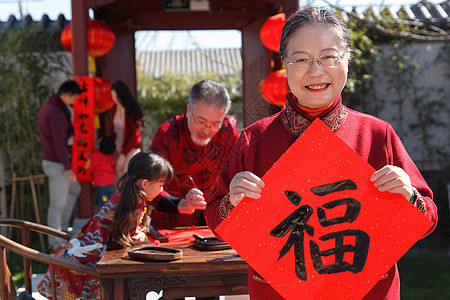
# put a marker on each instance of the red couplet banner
(321, 230)
(84, 130)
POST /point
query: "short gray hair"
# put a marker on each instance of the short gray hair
(314, 15)
(210, 92)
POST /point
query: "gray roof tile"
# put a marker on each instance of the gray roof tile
(226, 61)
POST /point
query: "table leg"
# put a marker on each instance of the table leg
(118, 292)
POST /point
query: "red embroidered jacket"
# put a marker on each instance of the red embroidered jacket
(262, 143)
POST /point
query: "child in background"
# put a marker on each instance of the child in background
(101, 165)
(121, 222)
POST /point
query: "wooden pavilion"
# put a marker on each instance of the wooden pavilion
(125, 17)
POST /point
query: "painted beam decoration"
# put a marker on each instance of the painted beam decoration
(321, 230)
(83, 126)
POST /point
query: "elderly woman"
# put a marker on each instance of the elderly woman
(315, 46)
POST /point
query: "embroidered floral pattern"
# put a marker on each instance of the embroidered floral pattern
(296, 123)
(417, 201)
(225, 206)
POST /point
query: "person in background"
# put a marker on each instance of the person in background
(101, 165)
(316, 48)
(55, 131)
(196, 143)
(121, 222)
(127, 120)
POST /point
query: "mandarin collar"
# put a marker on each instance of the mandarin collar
(296, 120)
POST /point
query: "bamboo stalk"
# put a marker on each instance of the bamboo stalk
(36, 210)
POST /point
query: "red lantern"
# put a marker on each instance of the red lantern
(102, 90)
(270, 32)
(275, 87)
(100, 38)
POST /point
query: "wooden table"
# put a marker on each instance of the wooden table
(197, 274)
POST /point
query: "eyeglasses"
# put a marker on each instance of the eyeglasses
(304, 63)
(215, 125)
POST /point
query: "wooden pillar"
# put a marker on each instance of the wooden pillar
(79, 37)
(290, 7)
(255, 67)
(257, 63)
(81, 68)
(124, 68)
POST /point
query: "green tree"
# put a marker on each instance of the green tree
(28, 63)
(24, 73)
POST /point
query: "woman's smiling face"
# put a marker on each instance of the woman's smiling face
(315, 86)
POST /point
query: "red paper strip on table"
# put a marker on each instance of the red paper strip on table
(181, 236)
(83, 125)
(321, 230)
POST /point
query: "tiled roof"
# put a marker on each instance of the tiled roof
(224, 61)
(428, 14)
(44, 23)
(43, 26)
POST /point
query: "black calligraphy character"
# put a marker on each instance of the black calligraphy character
(82, 156)
(362, 240)
(353, 206)
(81, 170)
(83, 128)
(82, 143)
(83, 100)
(360, 251)
(84, 87)
(296, 223)
(82, 116)
(352, 212)
(329, 188)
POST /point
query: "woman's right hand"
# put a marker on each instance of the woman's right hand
(245, 184)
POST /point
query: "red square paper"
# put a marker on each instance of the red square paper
(377, 227)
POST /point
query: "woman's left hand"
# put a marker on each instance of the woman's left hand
(394, 180)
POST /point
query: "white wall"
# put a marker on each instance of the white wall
(429, 83)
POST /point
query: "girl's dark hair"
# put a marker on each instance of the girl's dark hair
(314, 15)
(144, 165)
(107, 145)
(132, 108)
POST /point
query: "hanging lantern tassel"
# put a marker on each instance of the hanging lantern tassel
(270, 32)
(275, 87)
(100, 38)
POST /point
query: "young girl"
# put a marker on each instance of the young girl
(121, 222)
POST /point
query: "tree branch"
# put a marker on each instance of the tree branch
(438, 35)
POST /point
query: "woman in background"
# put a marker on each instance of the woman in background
(127, 120)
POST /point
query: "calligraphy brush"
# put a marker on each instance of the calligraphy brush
(192, 181)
